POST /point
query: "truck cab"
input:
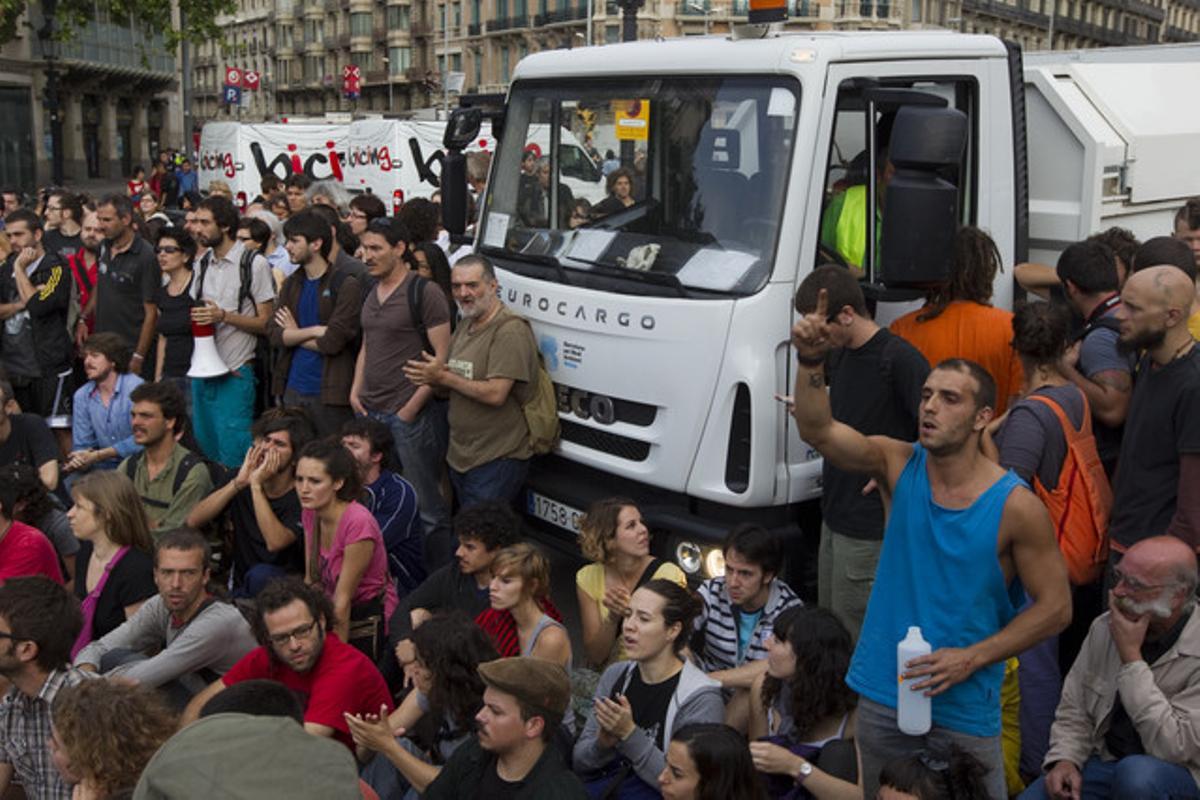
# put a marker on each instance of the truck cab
(664, 315)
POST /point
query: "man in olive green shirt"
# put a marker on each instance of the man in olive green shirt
(168, 477)
(492, 364)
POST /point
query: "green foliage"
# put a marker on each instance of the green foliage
(199, 17)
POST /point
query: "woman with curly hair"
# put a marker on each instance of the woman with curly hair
(946, 774)
(135, 721)
(709, 761)
(434, 719)
(802, 712)
(615, 539)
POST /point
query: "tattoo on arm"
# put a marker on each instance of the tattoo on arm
(816, 380)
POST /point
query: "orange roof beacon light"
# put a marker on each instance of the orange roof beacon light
(765, 11)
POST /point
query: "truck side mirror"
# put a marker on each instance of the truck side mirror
(920, 213)
(454, 192)
(462, 128)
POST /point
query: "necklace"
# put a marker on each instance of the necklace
(1183, 349)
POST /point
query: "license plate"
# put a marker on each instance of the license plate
(554, 512)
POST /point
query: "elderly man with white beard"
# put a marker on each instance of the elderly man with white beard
(1128, 724)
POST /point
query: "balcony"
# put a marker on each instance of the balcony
(1005, 11)
(420, 27)
(508, 23)
(1174, 33)
(560, 15)
(1096, 33)
(474, 29)
(1144, 9)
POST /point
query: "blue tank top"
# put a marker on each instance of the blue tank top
(938, 569)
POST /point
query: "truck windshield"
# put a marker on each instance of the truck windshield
(673, 182)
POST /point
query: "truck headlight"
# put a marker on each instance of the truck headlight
(689, 557)
(714, 563)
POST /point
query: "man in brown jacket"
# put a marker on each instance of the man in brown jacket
(1128, 724)
(315, 327)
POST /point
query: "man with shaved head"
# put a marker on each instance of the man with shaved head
(1157, 485)
(1128, 724)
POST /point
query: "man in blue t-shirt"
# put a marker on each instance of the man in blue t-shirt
(963, 536)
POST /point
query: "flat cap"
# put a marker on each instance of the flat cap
(535, 682)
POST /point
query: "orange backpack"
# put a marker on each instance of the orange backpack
(1080, 503)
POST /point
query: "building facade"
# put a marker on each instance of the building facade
(402, 48)
(118, 96)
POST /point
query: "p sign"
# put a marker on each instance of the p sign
(232, 95)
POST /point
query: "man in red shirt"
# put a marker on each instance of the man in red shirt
(299, 650)
(24, 551)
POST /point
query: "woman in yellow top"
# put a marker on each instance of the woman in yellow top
(614, 537)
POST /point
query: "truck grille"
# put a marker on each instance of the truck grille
(605, 442)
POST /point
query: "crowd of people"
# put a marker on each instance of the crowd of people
(257, 482)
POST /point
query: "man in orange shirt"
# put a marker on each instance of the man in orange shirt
(957, 320)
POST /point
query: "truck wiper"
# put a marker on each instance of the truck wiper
(656, 278)
(531, 258)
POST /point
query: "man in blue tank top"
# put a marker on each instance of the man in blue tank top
(962, 539)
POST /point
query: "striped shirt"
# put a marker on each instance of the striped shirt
(719, 624)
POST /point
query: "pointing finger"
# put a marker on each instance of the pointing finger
(822, 303)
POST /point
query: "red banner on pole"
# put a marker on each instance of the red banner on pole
(351, 79)
(233, 76)
(250, 80)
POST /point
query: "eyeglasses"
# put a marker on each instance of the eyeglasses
(1134, 584)
(300, 634)
(245, 238)
(12, 636)
(168, 249)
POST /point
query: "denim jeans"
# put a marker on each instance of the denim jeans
(421, 449)
(880, 741)
(496, 480)
(1141, 777)
(382, 776)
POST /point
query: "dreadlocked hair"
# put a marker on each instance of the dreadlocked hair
(976, 262)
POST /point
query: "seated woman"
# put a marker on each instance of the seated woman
(447, 691)
(615, 539)
(952, 774)
(344, 551)
(114, 562)
(641, 703)
(520, 585)
(802, 711)
(135, 722)
(620, 193)
(709, 762)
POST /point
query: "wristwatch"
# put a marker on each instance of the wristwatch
(806, 769)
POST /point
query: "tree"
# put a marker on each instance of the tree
(63, 17)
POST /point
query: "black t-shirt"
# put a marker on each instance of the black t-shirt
(175, 323)
(124, 282)
(1163, 423)
(249, 547)
(66, 246)
(131, 581)
(30, 442)
(1032, 441)
(650, 702)
(875, 389)
(1122, 738)
(493, 787)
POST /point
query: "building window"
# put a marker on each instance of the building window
(478, 59)
(458, 15)
(476, 13)
(360, 24)
(399, 18)
(456, 62)
(504, 64)
(399, 59)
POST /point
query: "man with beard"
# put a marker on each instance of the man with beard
(1157, 487)
(403, 316)
(237, 298)
(315, 327)
(292, 623)
(490, 372)
(127, 280)
(1127, 722)
(85, 267)
(961, 533)
(261, 503)
(39, 621)
(193, 637)
(101, 434)
(168, 477)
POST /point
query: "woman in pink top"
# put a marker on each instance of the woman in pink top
(344, 552)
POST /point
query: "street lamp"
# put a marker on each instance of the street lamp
(387, 62)
(53, 102)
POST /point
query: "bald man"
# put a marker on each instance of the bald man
(1157, 485)
(1141, 660)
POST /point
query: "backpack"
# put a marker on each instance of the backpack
(80, 285)
(541, 406)
(245, 289)
(1080, 503)
(416, 290)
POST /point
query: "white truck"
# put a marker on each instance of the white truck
(665, 325)
(380, 156)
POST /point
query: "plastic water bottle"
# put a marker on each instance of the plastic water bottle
(914, 711)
